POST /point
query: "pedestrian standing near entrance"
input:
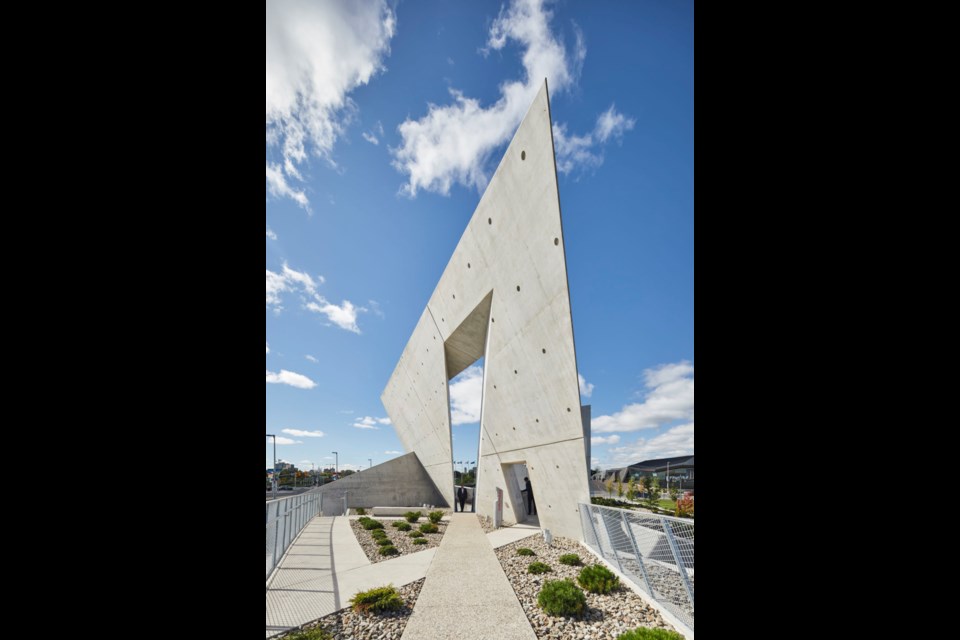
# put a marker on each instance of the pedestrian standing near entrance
(531, 504)
(462, 496)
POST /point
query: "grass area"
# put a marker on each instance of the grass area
(669, 505)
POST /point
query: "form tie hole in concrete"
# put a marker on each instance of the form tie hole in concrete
(518, 287)
(489, 220)
(454, 296)
(568, 409)
(514, 372)
(523, 155)
(468, 265)
(556, 241)
(538, 420)
(544, 350)
(492, 320)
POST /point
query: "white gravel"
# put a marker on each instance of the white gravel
(389, 625)
(401, 539)
(606, 617)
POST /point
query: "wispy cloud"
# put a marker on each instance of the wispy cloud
(303, 434)
(584, 152)
(586, 389)
(392, 453)
(290, 378)
(614, 439)
(317, 53)
(466, 391)
(455, 143)
(346, 411)
(271, 234)
(268, 347)
(311, 358)
(343, 315)
(369, 422)
(282, 440)
(369, 137)
(669, 397)
(677, 441)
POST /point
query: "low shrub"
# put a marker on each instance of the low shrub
(523, 551)
(419, 541)
(361, 511)
(561, 598)
(402, 526)
(386, 542)
(646, 633)
(379, 599)
(397, 523)
(313, 633)
(684, 507)
(381, 536)
(369, 524)
(570, 559)
(388, 550)
(538, 567)
(435, 516)
(598, 579)
(412, 516)
(608, 502)
(429, 527)
(416, 534)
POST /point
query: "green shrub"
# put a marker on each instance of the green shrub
(369, 524)
(412, 516)
(561, 598)
(313, 633)
(523, 551)
(388, 550)
(435, 516)
(429, 527)
(402, 526)
(598, 579)
(570, 559)
(379, 599)
(419, 541)
(646, 633)
(361, 511)
(385, 542)
(416, 534)
(397, 523)
(538, 567)
(376, 533)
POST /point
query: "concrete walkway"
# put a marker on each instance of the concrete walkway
(324, 568)
(466, 594)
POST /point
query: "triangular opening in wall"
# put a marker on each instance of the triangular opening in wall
(467, 343)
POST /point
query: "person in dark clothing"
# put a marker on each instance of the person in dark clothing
(531, 504)
(462, 497)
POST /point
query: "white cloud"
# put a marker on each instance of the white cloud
(369, 137)
(669, 397)
(677, 441)
(316, 54)
(581, 152)
(303, 434)
(614, 439)
(586, 389)
(454, 143)
(343, 315)
(391, 453)
(268, 347)
(466, 390)
(369, 422)
(271, 234)
(282, 440)
(612, 124)
(311, 358)
(290, 378)
(277, 186)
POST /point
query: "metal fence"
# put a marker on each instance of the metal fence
(655, 552)
(286, 517)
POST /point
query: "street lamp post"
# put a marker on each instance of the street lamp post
(370, 460)
(336, 463)
(274, 483)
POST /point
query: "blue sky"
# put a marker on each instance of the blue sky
(384, 122)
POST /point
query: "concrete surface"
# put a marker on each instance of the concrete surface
(399, 482)
(324, 568)
(466, 594)
(504, 295)
(506, 535)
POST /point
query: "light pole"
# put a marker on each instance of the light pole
(270, 435)
(336, 464)
(370, 460)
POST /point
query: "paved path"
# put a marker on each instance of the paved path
(466, 594)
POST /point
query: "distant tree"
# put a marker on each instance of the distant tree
(346, 472)
(653, 493)
(609, 485)
(619, 488)
(631, 489)
(674, 493)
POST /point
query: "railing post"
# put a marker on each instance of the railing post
(593, 527)
(675, 550)
(636, 552)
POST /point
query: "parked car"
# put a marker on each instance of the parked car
(285, 489)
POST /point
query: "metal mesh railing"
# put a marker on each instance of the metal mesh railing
(655, 552)
(286, 517)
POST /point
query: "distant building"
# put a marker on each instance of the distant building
(679, 468)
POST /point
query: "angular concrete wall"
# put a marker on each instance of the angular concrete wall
(504, 295)
(401, 482)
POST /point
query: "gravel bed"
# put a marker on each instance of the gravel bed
(606, 617)
(389, 625)
(401, 539)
